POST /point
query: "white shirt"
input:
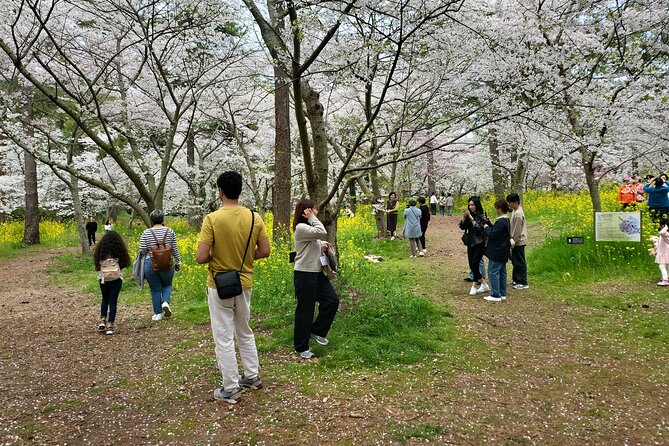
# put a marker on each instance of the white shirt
(433, 199)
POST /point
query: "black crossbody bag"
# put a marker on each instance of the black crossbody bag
(228, 283)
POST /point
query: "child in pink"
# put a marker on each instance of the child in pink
(662, 251)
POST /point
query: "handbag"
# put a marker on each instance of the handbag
(228, 283)
(330, 266)
(466, 239)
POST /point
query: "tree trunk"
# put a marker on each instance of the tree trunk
(497, 177)
(431, 185)
(73, 184)
(321, 162)
(31, 224)
(587, 162)
(281, 192)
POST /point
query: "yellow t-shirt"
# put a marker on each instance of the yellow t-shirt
(226, 231)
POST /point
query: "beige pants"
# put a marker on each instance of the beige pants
(230, 319)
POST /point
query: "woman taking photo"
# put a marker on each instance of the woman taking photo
(391, 213)
(472, 223)
(160, 281)
(311, 284)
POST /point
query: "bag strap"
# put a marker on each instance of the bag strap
(154, 237)
(253, 223)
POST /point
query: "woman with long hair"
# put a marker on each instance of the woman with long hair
(112, 252)
(472, 222)
(311, 284)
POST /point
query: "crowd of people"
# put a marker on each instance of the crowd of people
(654, 191)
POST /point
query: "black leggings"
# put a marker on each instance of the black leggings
(309, 289)
(110, 291)
(474, 256)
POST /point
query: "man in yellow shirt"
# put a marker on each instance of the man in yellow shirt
(228, 242)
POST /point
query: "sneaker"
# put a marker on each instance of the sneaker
(412, 257)
(320, 339)
(483, 288)
(392, 238)
(425, 250)
(492, 299)
(157, 317)
(502, 297)
(110, 328)
(166, 310)
(249, 383)
(422, 253)
(103, 324)
(307, 354)
(232, 396)
(663, 283)
(520, 286)
(472, 292)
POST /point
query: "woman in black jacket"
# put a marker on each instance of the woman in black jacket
(472, 223)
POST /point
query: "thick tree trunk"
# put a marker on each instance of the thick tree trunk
(497, 177)
(281, 192)
(321, 160)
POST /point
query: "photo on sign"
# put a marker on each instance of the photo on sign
(618, 226)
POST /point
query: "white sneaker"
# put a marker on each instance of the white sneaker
(392, 238)
(157, 317)
(421, 254)
(472, 292)
(412, 257)
(492, 299)
(502, 297)
(307, 354)
(483, 288)
(166, 309)
(519, 286)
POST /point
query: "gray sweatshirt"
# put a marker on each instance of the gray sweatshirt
(308, 245)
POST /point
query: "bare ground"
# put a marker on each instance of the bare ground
(543, 374)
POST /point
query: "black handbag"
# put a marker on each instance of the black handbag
(466, 238)
(228, 283)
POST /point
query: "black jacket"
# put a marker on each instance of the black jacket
(92, 226)
(473, 232)
(424, 217)
(499, 247)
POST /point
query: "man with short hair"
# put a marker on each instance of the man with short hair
(518, 235)
(91, 229)
(231, 239)
(433, 204)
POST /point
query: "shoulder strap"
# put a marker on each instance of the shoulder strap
(165, 236)
(154, 237)
(248, 241)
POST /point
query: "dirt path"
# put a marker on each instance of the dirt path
(544, 377)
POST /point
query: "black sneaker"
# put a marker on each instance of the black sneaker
(231, 397)
(249, 383)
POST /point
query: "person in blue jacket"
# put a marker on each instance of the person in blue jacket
(412, 228)
(498, 251)
(658, 198)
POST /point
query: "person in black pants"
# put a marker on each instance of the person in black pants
(424, 220)
(311, 285)
(111, 246)
(91, 229)
(473, 222)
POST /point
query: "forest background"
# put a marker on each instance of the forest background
(134, 105)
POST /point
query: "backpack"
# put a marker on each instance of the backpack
(161, 259)
(109, 270)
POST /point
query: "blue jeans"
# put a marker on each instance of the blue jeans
(497, 278)
(160, 284)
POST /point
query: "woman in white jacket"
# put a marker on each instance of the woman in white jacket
(311, 285)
